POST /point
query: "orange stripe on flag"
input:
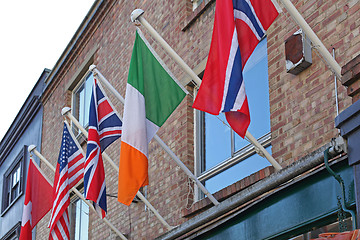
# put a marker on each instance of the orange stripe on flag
(133, 173)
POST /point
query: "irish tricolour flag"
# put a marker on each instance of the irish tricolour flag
(152, 94)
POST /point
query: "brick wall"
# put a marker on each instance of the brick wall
(113, 34)
(302, 107)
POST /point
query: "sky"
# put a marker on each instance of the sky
(33, 36)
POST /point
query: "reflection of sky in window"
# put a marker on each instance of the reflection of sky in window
(257, 91)
(239, 171)
(88, 88)
(217, 139)
(84, 100)
(81, 220)
(217, 135)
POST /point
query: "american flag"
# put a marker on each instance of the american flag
(69, 170)
(105, 127)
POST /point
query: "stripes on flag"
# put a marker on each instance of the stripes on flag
(105, 127)
(152, 94)
(69, 170)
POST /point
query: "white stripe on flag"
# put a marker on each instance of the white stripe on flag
(61, 230)
(59, 204)
(92, 164)
(243, 17)
(135, 122)
(229, 67)
(240, 98)
(256, 17)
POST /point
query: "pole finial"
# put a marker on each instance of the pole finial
(92, 67)
(31, 148)
(65, 110)
(136, 14)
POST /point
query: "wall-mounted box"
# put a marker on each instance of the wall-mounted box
(297, 53)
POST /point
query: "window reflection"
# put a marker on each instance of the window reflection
(81, 100)
(220, 143)
(81, 220)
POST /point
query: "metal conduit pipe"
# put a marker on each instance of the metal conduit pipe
(275, 180)
(330, 153)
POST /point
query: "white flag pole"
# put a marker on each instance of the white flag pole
(66, 111)
(137, 15)
(158, 139)
(316, 42)
(32, 149)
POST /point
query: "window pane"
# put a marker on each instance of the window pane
(81, 106)
(239, 171)
(14, 193)
(15, 183)
(217, 140)
(85, 221)
(81, 220)
(257, 91)
(218, 144)
(14, 178)
(77, 220)
(82, 97)
(18, 174)
(87, 97)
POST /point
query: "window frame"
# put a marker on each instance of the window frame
(73, 217)
(73, 84)
(13, 233)
(236, 156)
(74, 104)
(7, 178)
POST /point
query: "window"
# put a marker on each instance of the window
(13, 233)
(79, 220)
(81, 99)
(13, 182)
(224, 156)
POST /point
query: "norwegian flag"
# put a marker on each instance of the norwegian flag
(238, 27)
(69, 170)
(105, 127)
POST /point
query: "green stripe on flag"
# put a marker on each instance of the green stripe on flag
(161, 92)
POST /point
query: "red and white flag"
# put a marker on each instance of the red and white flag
(38, 200)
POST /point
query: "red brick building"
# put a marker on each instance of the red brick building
(293, 117)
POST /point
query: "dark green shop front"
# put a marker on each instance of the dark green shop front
(306, 203)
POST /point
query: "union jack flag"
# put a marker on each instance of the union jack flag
(105, 127)
(69, 170)
(238, 27)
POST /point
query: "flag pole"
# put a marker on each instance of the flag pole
(158, 139)
(66, 112)
(137, 15)
(316, 42)
(32, 149)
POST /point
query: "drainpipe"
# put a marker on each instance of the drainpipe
(331, 152)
